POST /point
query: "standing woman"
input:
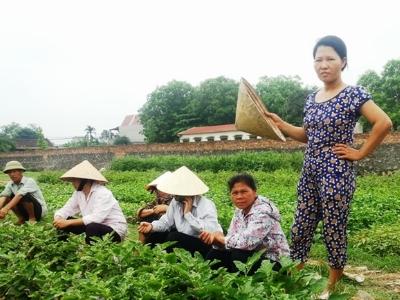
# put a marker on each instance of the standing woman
(327, 180)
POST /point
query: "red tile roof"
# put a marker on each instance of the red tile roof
(209, 129)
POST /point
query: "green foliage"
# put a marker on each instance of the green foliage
(178, 106)
(385, 90)
(36, 265)
(41, 141)
(382, 240)
(241, 161)
(10, 133)
(161, 115)
(285, 96)
(52, 177)
(121, 140)
(215, 101)
(376, 201)
(6, 144)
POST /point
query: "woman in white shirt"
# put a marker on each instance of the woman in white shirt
(99, 210)
(189, 212)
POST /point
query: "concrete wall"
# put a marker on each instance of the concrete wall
(386, 157)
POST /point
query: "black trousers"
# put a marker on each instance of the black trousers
(91, 230)
(184, 241)
(227, 257)
(28, 198)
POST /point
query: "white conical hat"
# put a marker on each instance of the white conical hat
(183, 182)
(159, 179)
(84, 170)
(250, 114)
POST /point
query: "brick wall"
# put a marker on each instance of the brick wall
(386, 157)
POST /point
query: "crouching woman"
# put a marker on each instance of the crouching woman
(100, 213)
(255, 227)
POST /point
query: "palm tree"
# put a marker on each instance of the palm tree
(90, 132)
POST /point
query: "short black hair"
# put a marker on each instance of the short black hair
(245, 178)
(336, 43)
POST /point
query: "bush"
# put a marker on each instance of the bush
(122, 140)
(242, 161)
(52, 177)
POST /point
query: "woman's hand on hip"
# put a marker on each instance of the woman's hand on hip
(344, 151)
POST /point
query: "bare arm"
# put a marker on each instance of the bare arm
(14, 201)
(295, 132)
(216, 238)
(381, 125)
(146, 212)
(60, 223)
(2, 201)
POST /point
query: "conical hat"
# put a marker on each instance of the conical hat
(84, 170)
(159, 179)
(250, 114)
(183, 182)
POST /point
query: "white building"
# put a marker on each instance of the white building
(132, 128)
(213, 133)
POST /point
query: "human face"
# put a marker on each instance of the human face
(15, 175)
(328, 64)
(75, 183)
(161, 194)
(243, 196)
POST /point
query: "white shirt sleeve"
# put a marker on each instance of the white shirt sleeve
(70, 208)
(207, 218)
(167, 220)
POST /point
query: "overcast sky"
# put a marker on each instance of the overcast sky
(68, 64)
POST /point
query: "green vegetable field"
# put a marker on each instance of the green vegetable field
(34, 264)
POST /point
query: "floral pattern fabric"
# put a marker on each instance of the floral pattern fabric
(327, 183)
(257, 230)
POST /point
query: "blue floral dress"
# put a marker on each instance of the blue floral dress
(327, 183)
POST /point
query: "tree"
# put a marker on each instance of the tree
(285, 96)
(90, 135)
(165, 112)
(11, 130)
(76, 143)
(215, 101)
(14, 132)
(6, 144)
(121, 140)
(385, 90)
(41, 141)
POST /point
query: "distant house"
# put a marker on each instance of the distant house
(132, 128)
(213, 133)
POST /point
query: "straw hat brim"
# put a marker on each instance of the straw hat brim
(251, 114)
(157, 181)
(13, 165)
(84, 170)
(183, 182)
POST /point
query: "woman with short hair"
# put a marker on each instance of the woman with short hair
(255, 227)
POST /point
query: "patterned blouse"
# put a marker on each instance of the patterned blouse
(259, 229)
(328, 123)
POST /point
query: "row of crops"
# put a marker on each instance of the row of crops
(33, 263)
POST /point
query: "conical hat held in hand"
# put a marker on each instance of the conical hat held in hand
(251, 114)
